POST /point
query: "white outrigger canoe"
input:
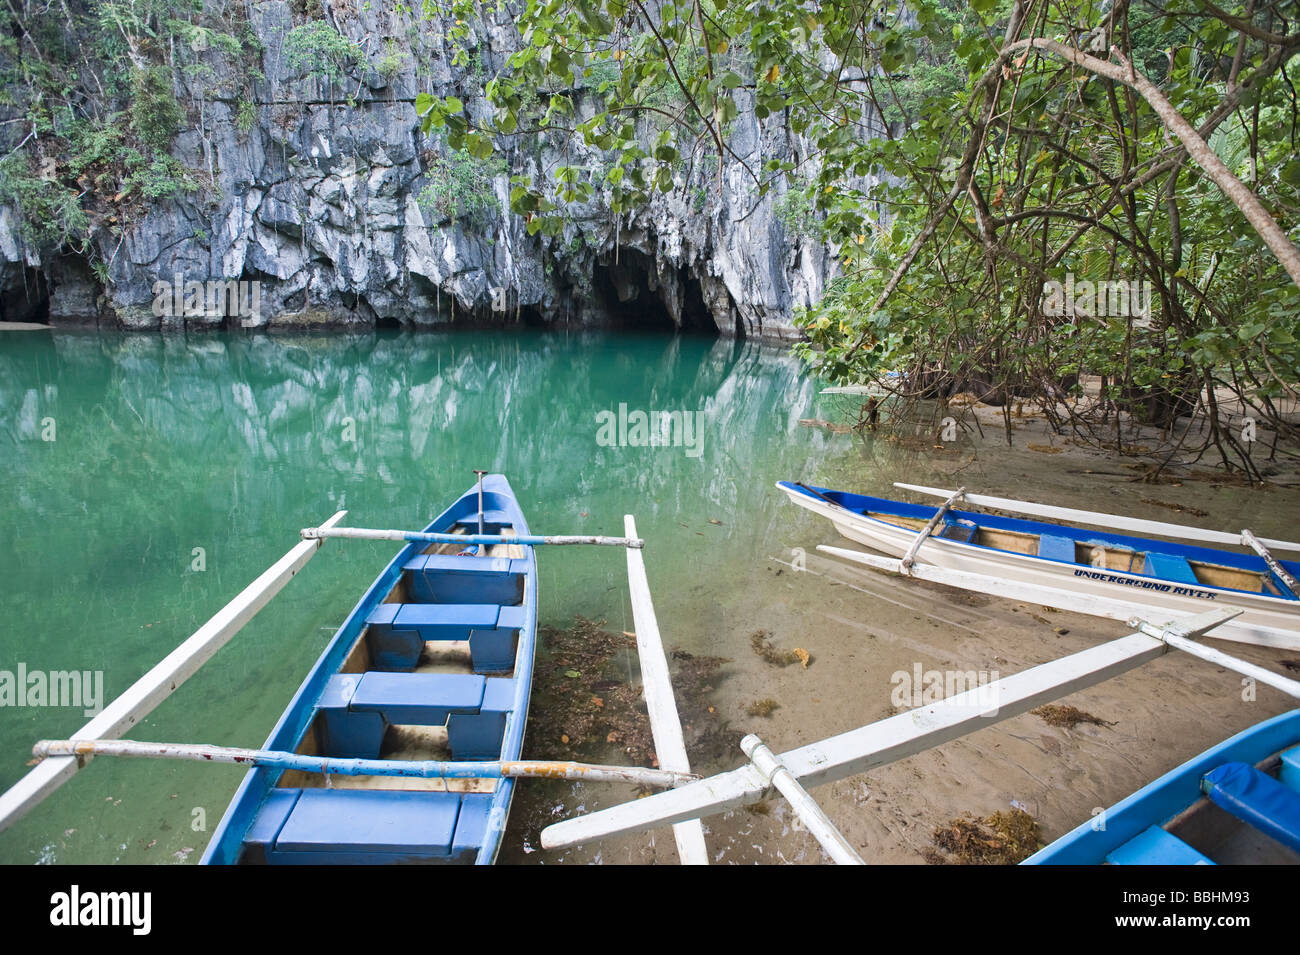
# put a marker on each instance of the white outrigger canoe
(1072, 568)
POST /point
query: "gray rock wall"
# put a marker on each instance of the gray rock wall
(317, 202)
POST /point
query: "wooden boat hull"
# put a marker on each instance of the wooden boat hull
(1170, 821)
(891, 527)
(436, 656)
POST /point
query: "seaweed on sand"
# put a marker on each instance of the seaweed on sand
(585, 700)
(1004, 838)
(1055, 714)
(762, 644)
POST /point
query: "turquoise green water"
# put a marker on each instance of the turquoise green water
(164, 445)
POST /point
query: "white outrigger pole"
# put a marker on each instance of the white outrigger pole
(665, 724)
(1099, 519)
(910, 732)
(159, 683)
(102, 735)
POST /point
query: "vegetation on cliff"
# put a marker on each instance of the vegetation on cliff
(1035, 150)
(92, 89)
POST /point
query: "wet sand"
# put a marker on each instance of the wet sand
(862, 627)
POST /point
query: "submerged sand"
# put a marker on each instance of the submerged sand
(862, 628)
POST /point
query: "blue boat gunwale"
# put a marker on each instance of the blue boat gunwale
(858, 503)
(1160, 801)
(227, 841)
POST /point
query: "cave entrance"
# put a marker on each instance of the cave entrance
(27, 299)
(631, 296)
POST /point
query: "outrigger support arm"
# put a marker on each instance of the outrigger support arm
(804, 806)
(138, 700)
(421, 537)
(1273, 564)
(1178, 634)
(910, 557)
(347, 766)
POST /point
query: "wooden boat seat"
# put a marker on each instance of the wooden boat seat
(493, 521)
(1155, 846)
(1170, 567)
(1257, 799)
(357, 709)
(397, 632)
(362, 826)
(449, 578)
(1055, 547)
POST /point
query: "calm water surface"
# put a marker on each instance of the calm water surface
(180, 468)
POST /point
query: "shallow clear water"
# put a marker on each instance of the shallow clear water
(162, 446)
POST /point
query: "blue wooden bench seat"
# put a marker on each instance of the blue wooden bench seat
(450, 578)
(1055, 547)
(423, 699)
(493, 521)
(397, 633)
(1155, 846)
(1289, 774)
(357, 709)
(271, 817)
(363, 826)
(1170, 567)
(1257, 799)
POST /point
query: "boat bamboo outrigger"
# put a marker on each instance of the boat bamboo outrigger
(1272, 814)
(1071, 567)
(403, 742)
(434, 664)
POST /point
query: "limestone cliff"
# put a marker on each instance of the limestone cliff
(325, 191)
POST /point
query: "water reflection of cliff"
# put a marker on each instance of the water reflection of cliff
(260, 431)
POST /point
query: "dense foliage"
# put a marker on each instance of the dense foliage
(1008, 161)
(93, 94)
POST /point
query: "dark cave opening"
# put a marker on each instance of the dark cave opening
(26, 298)
(531, 317)
(696, 317)
(630, 294)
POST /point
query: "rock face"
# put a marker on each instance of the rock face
(317, 197)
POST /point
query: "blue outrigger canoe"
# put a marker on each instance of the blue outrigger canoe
(1133, 575)
(434, 662)
(1238, 802)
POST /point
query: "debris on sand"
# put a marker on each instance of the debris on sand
(585, 697)
(763, 707)
(1054, 714)
(823, 423)
(1004, 838)
(762, 644)
(1183, 508)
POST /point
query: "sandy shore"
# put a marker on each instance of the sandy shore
(862, 628)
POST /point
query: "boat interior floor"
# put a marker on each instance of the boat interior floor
(463, 601)
(1094, 554)
(1250, 815)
